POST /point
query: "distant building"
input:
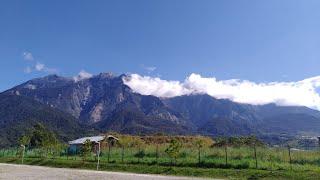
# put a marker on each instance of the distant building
(76, 145)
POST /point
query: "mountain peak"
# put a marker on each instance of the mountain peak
(106, 75)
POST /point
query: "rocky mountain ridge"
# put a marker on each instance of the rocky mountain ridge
(106, 103)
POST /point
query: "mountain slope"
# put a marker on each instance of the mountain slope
(18, 114)
(224, 117)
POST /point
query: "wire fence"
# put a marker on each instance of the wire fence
(244, 157)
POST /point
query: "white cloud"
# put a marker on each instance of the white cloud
(27, 56)
(36, 66)
(300, 93)
(82, 75)
(43, 68)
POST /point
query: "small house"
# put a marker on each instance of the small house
(76, 145)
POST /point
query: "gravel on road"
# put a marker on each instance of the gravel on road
(19, 172)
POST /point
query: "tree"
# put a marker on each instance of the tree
(254, 141)
(43, 139)
(174, 149)
(125, 142)
(24, 140)
(58, 148)
(224, 142)
(86, 149)
(201, 142)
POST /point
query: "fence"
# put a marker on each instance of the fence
(269, 158)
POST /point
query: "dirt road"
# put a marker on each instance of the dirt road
(17, 172)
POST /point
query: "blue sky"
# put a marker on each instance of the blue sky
(261, 41)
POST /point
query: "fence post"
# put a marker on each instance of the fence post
(226, 153)
(157, 153)
(139, 155)
(109, 149)
(290, 160)
(318, 138)
(98, 154)
(122, 154)
(199, 155)
(67, 152)
(255, 155)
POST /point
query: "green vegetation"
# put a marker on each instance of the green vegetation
(187, 156)
(86, 150)
(174, 149)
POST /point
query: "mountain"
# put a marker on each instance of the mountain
(215, 116)
(106, 103)
(18, 115)
(222, 117)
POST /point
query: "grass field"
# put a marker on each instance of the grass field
(241, 163)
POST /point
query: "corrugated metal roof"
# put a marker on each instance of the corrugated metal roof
(92, 139)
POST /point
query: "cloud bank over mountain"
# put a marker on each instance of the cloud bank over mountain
(82, 75)
(300, 93)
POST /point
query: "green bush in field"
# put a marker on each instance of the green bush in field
(174, 149)
(41, 139)
(140, 155)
